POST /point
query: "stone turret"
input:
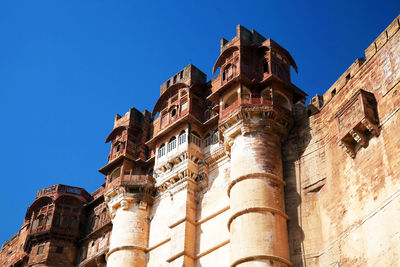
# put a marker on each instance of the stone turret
(129, 189)
(255, 102)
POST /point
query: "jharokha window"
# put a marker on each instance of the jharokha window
(195, 139)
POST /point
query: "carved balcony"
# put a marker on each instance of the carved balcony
(263, 108)
(357, 122)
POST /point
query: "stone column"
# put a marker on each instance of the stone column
(258, 220)
(129, 238)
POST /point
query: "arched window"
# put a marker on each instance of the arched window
(282, 100)
(231, 99)
(161, 151)
(115, 174)
(182, 137)
(207, 140)
(172, 144)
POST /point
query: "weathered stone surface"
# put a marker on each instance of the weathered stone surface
(240, 172)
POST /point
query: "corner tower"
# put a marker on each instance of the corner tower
(129, 189)
(255, 98)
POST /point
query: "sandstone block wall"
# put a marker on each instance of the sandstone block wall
(343, 210)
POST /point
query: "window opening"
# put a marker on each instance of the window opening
(173, 112)
(181, 74)
(172, 144)
(175, 78)
(40, 250)
(161, 151)
(182, 137)
(168, 84)
(195, 138)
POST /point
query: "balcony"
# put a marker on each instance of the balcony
(132, 181)
(260, 102)
(59, 188)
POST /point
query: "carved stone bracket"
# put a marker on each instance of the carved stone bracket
(359, 137)
(347, 148)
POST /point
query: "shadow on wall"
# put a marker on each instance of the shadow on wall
(292, 151)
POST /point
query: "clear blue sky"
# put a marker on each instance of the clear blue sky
(67, 67)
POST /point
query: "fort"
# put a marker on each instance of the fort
(239, 171)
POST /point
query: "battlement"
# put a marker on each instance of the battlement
(382, 39)
(188, 75)
(244, 35)
(132, 116)
(354, 68)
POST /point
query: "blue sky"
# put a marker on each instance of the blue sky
(67, 67)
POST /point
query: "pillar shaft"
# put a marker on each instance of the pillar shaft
(129, 238)
(258, 222)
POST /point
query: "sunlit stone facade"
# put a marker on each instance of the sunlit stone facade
(239, 171)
